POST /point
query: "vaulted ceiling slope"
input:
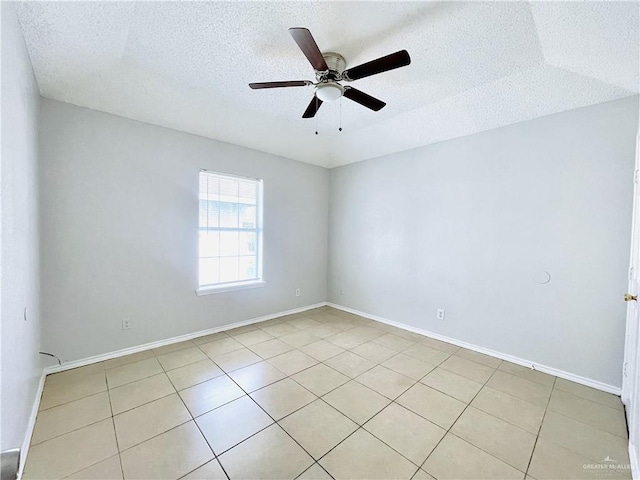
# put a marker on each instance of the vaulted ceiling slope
(475, 66)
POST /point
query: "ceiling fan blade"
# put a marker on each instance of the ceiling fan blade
(382, 64)
(307, 44)
(363, 99)
(293, 83)
(313, 108)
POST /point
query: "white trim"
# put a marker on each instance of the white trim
(493, 353)
(231, 287)
(180, 338)
(24, 451)
(633, 461)
(229, 175)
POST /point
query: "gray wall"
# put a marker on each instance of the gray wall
(119, 204)
(21, 365)
(469, 224)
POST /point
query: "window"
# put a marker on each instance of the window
(230, 222)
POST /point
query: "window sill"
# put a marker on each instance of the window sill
(229, 288)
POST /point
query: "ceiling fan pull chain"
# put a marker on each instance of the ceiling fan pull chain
(340, 125)
(316, 116)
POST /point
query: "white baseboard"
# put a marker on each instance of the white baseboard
(181, 338)
(127, 351)
(493, 353)
(24, 451)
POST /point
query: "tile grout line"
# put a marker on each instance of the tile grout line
(535, 443)
(458, 417)
(193, 418)
(502, 419)
(590, 400)
(227, 374)
(212, 359)
(275, 422)
(291, 413)
(361, 426)
(394, 401)
(215, 457)
(70, 401)
(174, 392)
(365, 325)
(495, 369)
(150, 401)
(553, 388)
(490, 414)
(155, 356)
(88, 425)
(319, 466)
(71, 431)
(582, 454)
(113, 421)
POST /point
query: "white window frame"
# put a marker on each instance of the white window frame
(241, 284)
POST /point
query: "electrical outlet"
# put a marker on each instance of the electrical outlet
(297, 292)
(440, 314)
(126, 324)
(341, 292)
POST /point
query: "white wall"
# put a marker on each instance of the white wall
(21, 365)
(119, 232)
(466, 224)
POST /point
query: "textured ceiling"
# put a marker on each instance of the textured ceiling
(475, 66)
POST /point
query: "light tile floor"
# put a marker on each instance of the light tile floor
(318, 395)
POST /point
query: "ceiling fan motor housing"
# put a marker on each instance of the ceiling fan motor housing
(336, 64)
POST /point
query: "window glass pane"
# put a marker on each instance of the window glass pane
(229, 269)
(213, 185)
(229, 190)
(209, 244)
(202, 218)
(209, 186)
(247, 268)
(228, 244)
(229, 232)
(247, 216)
(209, 213)
(248, 192)
(248, 243)
(209, 271)
(228, 215)
(213, 213)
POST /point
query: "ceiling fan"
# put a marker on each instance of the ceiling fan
(330, 69)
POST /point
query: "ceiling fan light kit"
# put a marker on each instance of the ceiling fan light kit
(330, 70)
(329, 92)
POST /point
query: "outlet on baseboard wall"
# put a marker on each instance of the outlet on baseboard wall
(297, 292)
(440, 314)
(340, 291)
(126, 323)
